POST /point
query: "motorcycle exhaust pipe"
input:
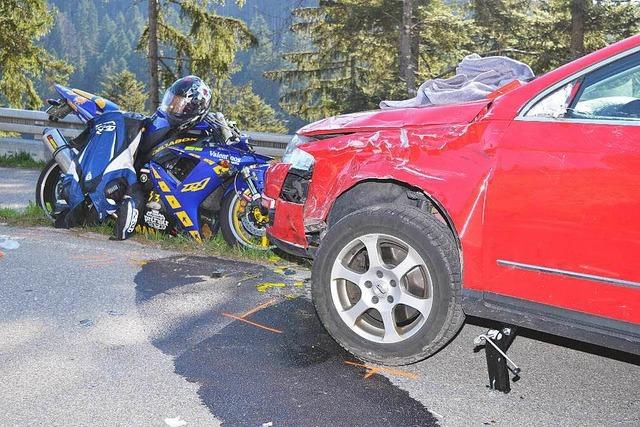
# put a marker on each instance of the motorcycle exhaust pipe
(60, 149)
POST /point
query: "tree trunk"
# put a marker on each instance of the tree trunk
(408, 57)
(578, 15)
(153, 55)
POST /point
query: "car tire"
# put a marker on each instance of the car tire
(389, 331)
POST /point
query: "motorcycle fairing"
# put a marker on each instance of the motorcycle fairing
(85, 104)
(184, 198)
(107, 158)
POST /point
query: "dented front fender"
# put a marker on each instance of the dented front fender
(451, 164)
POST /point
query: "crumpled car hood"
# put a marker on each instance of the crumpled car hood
(397, 118)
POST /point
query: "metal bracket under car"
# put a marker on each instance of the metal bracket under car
(496, 343)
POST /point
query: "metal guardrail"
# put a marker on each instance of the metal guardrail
(29, 122)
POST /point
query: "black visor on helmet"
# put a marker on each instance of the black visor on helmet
(186, 101)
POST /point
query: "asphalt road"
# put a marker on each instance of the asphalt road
(94, 332)
(17, 187)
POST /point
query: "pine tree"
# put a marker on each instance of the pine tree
(344, 66)
(22, 60)
(196, 41)
(577, 27)
(355, 59)
(123, 89)
(501, 25)
(250, 111)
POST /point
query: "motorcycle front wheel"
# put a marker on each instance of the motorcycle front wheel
(243, 223)
(48, 189)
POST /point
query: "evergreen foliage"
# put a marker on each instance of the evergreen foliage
(248, 110)
(342, 55)
(194, 39)
(352, 62)
(98, 38)
(22, 60)
(125, 90)
(356, 57)
(604, 22)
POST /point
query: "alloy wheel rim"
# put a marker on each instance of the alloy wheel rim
(381, 288)
(240, 232)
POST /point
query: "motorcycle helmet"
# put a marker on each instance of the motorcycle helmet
(186, 102)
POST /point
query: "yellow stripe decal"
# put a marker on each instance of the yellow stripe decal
(163, 186)
(173, 202)
(184, 219)
(196, 236)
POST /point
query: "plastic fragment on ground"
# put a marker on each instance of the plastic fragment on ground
(175, 422)
(8, 244)
(264, 287)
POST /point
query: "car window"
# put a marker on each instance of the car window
(611, 92)
(615, 97)
(553, 105)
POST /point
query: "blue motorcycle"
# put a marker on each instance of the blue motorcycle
(197, 182)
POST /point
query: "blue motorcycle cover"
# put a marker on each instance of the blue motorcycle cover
(107, 160)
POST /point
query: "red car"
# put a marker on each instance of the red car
(523, 208)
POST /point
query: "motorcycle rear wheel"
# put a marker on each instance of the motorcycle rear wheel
(48, 189)
(235, 231)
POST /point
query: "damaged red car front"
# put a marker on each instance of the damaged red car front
(406, 145)
(522, 208)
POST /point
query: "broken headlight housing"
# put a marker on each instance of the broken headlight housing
(297, 158)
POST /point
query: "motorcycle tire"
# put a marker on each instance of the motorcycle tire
(47, 187)
(234, 231)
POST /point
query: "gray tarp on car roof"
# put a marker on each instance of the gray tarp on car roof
(475, 78)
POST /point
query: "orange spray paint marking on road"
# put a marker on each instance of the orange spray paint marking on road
(372, 370)
(260, 307)
(93, 260)
(242, 319)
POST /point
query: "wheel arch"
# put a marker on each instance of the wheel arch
(390, 190)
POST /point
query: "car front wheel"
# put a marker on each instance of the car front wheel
(386, 284)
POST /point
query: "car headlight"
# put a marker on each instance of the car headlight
(297, 158)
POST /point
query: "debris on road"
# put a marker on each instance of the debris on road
(8, 244)
(175, 422)
(264, 287)
(86, 322)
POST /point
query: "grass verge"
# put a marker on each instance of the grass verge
(20, 160)
(32, 215)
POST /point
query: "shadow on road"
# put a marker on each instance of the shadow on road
(248, 375)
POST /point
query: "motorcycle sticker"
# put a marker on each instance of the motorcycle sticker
(225, 156)
(172, 143)
(195, 186)
(155, 219)
(109, 126)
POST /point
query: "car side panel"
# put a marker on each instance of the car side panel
(563, 217)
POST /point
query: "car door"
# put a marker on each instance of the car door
(563, 206)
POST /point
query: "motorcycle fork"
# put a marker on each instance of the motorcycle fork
(255, 194)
